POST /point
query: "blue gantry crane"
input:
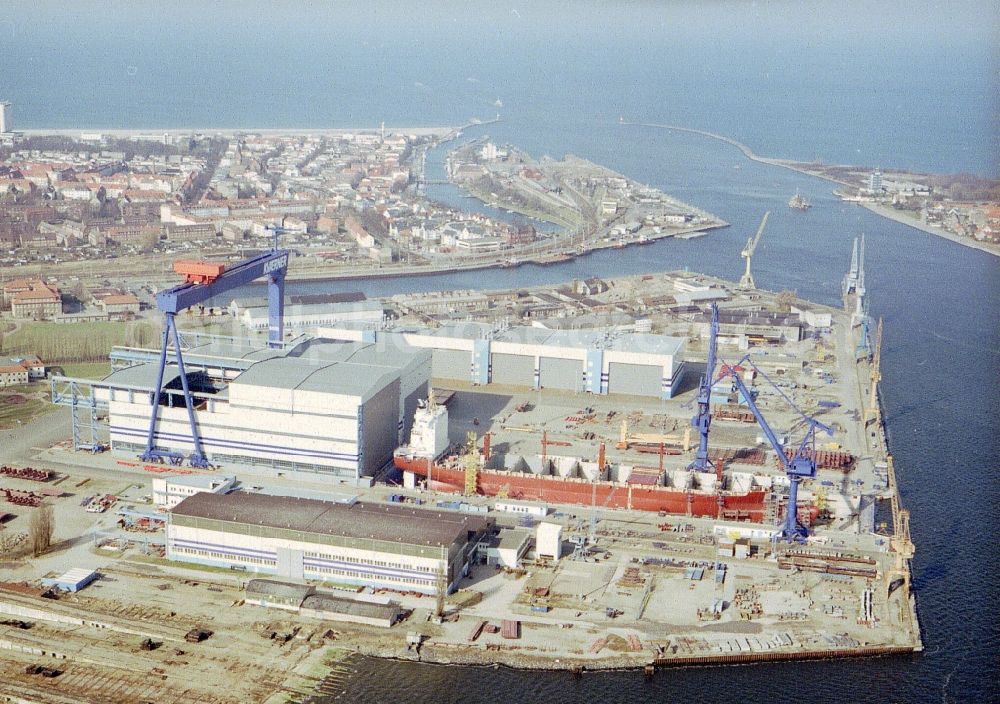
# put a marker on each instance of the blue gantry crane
(203, 280)
(703, 418)
(801, 465)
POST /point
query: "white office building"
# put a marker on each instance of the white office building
(170, 490)
(308, 315)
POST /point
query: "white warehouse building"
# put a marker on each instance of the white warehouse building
(374, 545)
(309, 315)
(631, 363)
(328, 408)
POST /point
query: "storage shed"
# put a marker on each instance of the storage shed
(275, 594)
(72, 581)
(335, 608)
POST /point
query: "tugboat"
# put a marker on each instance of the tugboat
(799, 203)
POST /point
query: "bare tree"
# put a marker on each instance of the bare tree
(145, 334)
(785, 299)
(40, 529)
(441, 590)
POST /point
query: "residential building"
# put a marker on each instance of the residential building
(40, 301)
(11, 374)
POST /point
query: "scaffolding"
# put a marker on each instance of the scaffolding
(81, 398)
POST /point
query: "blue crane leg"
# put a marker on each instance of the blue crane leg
(275, 308)
(800, 465)
(149, 455)
(197, 457)
(793, 530)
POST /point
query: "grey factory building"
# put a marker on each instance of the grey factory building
(374, 545)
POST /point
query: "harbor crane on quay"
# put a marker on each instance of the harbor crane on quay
(703, 418)
(801, 465)
(203, 281)
(746, 281)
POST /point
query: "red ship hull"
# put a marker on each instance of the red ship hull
(560, 490)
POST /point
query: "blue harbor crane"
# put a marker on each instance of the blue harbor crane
(703, 419)
(801, 465)
(203, 281)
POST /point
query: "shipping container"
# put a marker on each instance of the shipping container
(510, 629)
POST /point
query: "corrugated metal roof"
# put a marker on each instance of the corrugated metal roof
(410, 526)
(361, 609)
(648, 343)
(309, 375)
(273, 587)
(232, 350)
(141, 377)
(397, 356)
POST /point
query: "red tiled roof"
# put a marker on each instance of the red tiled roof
(21, 284)
(37, 293)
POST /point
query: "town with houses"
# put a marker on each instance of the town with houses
(339, 200)
(333, 199)
(964, 206)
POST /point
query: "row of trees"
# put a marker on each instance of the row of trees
(966, 187)
(88, 342)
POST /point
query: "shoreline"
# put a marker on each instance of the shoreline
(950, 236)
(801, 167)
(272, 131)
(561, 253)
(555, 258)
(472, 656)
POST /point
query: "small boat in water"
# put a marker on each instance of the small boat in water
(799, 203)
